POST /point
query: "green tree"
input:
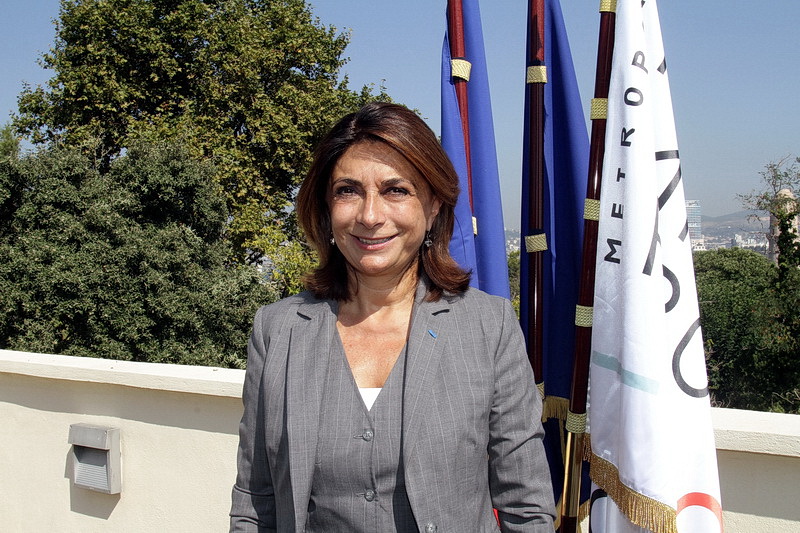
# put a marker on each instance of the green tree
(749, 331)
(786, 241)
(781, 185)
(9, 143)
(513, 278)
(248, 84)
(122, 261)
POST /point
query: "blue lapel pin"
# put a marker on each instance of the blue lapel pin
(432, 333)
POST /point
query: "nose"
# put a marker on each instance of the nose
(371, 212)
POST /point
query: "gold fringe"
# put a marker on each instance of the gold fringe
(598, 109)
(555, 407)
(609, 6)
(536, 243)
(536, 74)
(540, 388)
(641, 510)
(460, 68)
(587, 447)
(583, 512)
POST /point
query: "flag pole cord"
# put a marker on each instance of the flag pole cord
(535, 239)
(583, 322)
(458, 55)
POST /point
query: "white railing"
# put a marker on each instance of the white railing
(178, 427)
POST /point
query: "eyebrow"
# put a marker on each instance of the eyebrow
(389, 182)
(346, 181)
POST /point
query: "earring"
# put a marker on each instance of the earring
(333, 241)
(427, 242)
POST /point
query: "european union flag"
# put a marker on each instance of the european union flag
(566, 162)
(478, 242)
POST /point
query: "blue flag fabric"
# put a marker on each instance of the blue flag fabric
(483, 253)
(566, 149)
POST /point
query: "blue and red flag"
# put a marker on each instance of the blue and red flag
(478, 242)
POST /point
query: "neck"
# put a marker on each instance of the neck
(371, 295)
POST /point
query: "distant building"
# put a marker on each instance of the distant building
(512, 240)
(750, 241)
(694, 218)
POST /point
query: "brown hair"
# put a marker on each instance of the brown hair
(404, 131)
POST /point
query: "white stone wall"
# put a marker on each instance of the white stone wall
(759, 469)
(179, 435)
(178, 440)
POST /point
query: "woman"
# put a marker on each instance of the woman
(390, 396)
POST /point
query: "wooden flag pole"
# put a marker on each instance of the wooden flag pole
(535, 242)
(460, 71)
(576, 418)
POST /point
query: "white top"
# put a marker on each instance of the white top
(368, 394)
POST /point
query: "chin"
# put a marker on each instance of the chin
(371, 270)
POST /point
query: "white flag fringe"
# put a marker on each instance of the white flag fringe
(652, 442)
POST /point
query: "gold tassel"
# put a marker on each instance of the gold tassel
(587, 447)
(583, 512)
(555, 407)
(641, 510)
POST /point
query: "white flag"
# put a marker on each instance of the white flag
(650, 428)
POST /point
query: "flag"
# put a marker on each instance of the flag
(566, 153)
(478, 243)
(652, 443)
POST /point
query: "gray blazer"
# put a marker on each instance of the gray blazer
(471, 417)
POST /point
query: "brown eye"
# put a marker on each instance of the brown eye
(344, 190)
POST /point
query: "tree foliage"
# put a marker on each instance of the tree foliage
(750, 306)
(9, 143)
(751, 330)
(248, 84)
(513, 278)
(778, 197)
(122, 261)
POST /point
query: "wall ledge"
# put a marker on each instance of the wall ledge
(734, 429)
(202, 380)
(756, 432)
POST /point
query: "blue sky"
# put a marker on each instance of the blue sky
(732, 69)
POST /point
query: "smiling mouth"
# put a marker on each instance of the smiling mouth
(373, 241)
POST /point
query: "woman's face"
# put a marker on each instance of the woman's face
(380, 209)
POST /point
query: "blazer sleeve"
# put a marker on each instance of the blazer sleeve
(519, 477)
(253, 497)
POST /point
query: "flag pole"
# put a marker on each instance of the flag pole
(460, 76)
(576, 417)
(535, 241)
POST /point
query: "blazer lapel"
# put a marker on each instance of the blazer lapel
(425, 343)
(310, 346)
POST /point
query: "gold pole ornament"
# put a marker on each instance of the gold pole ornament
(608, 6)
(460, 68)
(583, 316)
(536, 243)
(598, 109)
(536, 74)
(591, 209)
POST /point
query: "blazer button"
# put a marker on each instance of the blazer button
(430, 528)
(369, 495)
(367, 435)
